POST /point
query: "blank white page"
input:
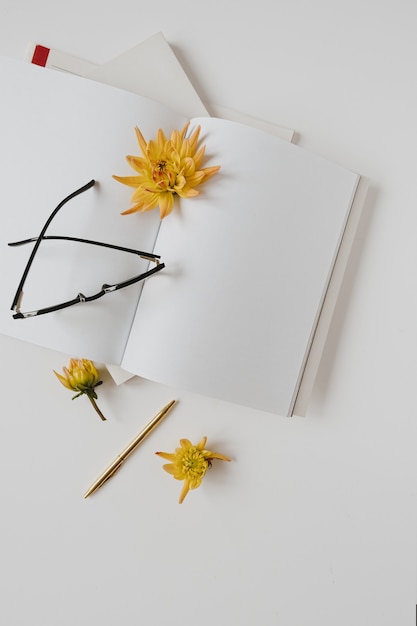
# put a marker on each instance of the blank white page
(248, 263)
(59, 131)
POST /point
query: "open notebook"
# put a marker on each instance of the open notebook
(139, 70)
(239, 312)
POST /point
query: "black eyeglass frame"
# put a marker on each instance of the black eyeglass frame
(80, 298)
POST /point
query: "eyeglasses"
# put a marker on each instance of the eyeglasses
(80, 298)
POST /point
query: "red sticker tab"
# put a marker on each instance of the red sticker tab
(40, 55)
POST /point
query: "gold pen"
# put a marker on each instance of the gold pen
(117, 463)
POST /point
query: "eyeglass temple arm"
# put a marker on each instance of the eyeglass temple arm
(41, 236)
(145, 255)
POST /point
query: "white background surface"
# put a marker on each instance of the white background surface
(313, 522)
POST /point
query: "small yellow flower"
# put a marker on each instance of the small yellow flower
(167, 168)
(190, 464)
(82, 376)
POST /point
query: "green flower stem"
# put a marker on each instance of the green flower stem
(95, 406)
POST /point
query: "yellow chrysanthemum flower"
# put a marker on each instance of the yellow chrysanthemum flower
(167, 168)
(82, 376)
(190, 464)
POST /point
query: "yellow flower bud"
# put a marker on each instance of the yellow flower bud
(82, 376)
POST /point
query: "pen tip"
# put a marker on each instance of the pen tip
(168, 406)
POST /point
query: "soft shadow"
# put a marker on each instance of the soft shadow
(331, 347)
(296, 138)
(192, 75)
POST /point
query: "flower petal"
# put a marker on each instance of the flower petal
(138, 163)
(194, 139)
(216, 455)
(63, 380)
(133, 209)
(141, 141)
(201, 444)
(188, 192)
(210, 171)
(184, 130)
(167, 455)
(198, 157)
(185, 489)
(131, 181)
(170, 468)
(166, 204)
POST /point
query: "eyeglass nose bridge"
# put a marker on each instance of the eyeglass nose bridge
(108, 288)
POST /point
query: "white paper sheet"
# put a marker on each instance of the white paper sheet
(58, 132)
(248, 266)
